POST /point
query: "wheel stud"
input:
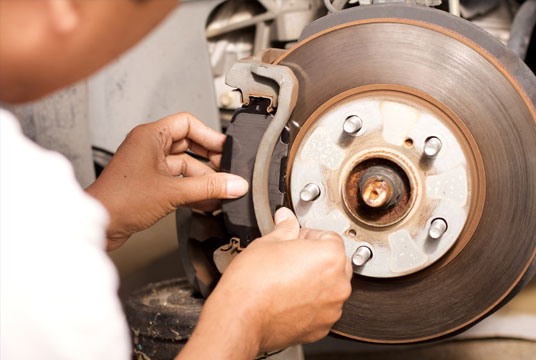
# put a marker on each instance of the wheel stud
(432, 147)
(310, 192)
(437, 228)
(361, 256)
(352, 125)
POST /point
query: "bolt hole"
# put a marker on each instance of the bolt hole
(408, 142)
(352, 233)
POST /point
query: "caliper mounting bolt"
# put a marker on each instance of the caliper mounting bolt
(310, 192)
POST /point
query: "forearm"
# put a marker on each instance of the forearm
(223, 332)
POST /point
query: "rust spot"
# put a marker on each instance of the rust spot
(358, 202)
(377, 192)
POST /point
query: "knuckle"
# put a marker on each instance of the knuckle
(182, 164)
(287, 226)
(339, 295)
(183, 117)
(330, 236)
(213, 187)
(186, 114)
(334, 241)
(136, 130)
(337, 315)
(315, 336)
(334, 252)
(346, 291)
(332, 314)
(142, 133)
(322, 333)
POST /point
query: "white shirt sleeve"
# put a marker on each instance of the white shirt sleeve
(58, 288)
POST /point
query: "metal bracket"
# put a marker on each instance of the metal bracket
(256, 78)
(225, 254)
(247, 76)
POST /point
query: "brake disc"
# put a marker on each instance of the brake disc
(414, 138)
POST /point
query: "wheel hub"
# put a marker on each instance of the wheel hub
(380, 183)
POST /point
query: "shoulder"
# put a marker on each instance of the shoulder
(38, 180)
(59, 287)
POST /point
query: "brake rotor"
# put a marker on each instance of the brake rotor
(378, 86)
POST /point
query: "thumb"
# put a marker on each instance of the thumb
(211, 186)
(286, 225)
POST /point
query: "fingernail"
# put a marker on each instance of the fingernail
(281, 215)
(237, 187)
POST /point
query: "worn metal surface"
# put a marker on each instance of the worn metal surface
(380, 187)
(492, 93)
(488, 349)
(226, 253)
(255, 78)
(396, 126)
(370, 194)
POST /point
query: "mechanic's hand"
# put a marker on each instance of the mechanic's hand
(141, 184)
(285, 288)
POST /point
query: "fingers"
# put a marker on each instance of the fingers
(287, 226)
(349, 270)
(186, 126)
(183, 145)
(312, 234)
(206, 205)
(189, 190)
(306, 233)
(186, 144)
(215, 159)
(187, 166)
(283, 214)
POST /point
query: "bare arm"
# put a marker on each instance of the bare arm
(285, 288)
(151, 175)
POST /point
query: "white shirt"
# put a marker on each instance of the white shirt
(58, 288)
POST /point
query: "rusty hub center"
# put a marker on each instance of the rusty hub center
(378, 192)
(380, 187)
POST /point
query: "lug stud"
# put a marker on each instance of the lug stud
(432, 147)
(310, 192)
(361, 256)
(352, 125)
(437, 228)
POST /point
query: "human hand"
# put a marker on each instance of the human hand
(285, 288)
(141, 184)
